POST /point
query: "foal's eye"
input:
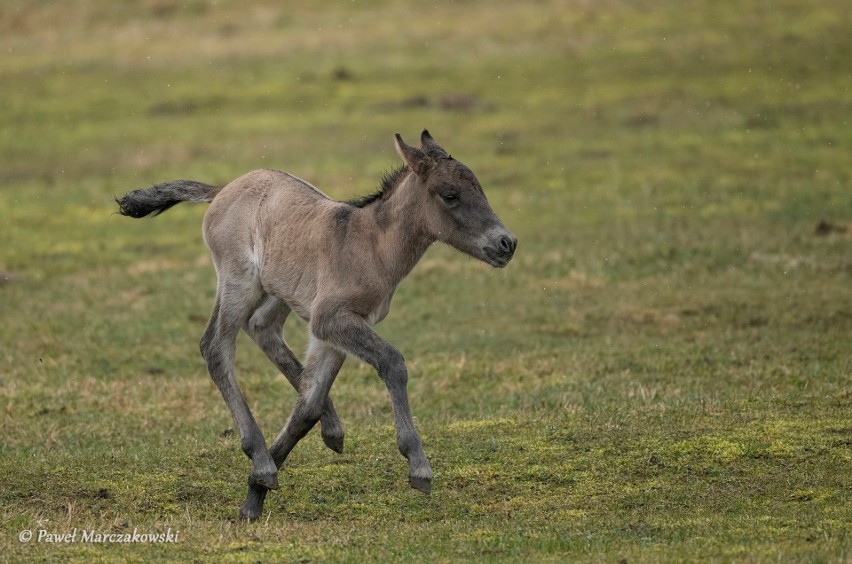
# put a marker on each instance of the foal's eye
(450, 198)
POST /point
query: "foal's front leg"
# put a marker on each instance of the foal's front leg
(346, 331)
(264, 327)
(322, 364)
(353, 334)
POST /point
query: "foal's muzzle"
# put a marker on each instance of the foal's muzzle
(501, 251)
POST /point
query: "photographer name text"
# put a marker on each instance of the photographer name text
(95, 536)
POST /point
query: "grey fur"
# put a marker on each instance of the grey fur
(279, 245)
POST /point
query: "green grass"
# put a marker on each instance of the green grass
(663, 373)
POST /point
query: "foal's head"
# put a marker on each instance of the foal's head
(453, 204)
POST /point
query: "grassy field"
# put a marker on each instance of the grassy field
(663, 372)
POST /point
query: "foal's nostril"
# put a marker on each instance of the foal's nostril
(507, 245)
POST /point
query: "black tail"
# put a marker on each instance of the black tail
(160, 197)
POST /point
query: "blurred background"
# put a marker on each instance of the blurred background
(677, 173)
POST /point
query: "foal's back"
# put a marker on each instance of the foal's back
(271, 232)
(246, 206)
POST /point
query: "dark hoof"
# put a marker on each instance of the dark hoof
(249, 514)
(269, 481)
(252, 507)
(334, 443)
(421, 484)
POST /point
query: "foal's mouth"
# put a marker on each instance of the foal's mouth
(496, 258)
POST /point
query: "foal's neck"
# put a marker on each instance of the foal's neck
(402, 234)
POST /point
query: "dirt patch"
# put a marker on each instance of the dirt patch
(342, 74)
(100, 493)
(825, 228)
(450, 102)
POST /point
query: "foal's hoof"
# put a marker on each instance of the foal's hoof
(249, 512)
(421, 484)
(268, 481)
(249, 515)
(335, 443)
(253, 505)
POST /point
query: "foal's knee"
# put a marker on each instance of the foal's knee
(392, 367)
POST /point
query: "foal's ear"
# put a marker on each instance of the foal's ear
(416, 159)
(431, 148)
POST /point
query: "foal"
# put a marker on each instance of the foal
(280, 245)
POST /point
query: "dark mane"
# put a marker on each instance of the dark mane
(389, 182)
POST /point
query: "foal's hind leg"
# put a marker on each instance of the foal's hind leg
(264, 327)
(217, 347)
